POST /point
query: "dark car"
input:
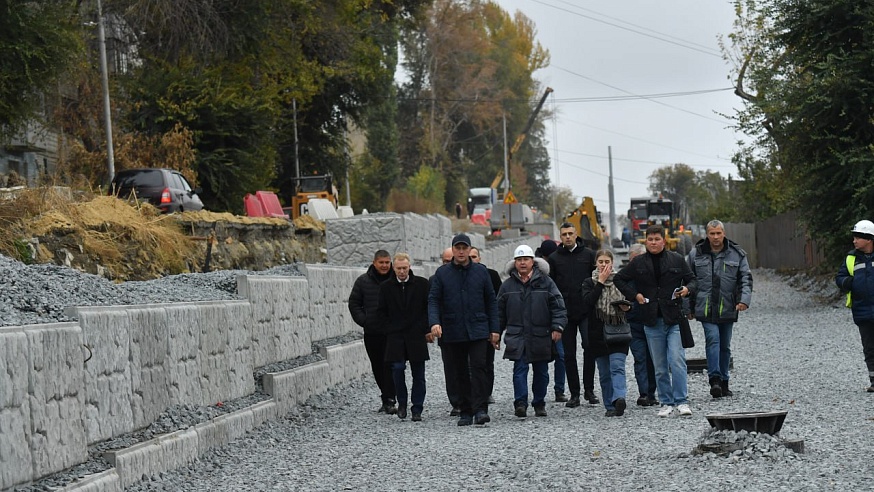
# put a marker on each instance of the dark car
(166, 189)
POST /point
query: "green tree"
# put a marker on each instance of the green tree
(40, 41)
(805, 77)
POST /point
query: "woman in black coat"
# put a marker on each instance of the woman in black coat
(403, 307)
(598, 295)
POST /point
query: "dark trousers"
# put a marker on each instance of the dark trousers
(469, 362)
(644, 371)
(866, 330)
(490, 367)
(452, 392)
(375, 347)
(417, 396)
(569, 341)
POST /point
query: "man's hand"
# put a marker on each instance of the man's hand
(436, 331)
(429, 338)
(741, 307)
(640, 299)
(556, 336)
(495, 339)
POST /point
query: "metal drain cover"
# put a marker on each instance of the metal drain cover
(765, 422)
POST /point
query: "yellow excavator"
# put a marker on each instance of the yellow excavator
(587, 222)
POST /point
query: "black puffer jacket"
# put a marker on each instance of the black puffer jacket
(639, 276)
(569, 269)
(403, 309)
(529, 313)
(364, 300)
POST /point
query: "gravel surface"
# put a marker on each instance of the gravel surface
(794, 350)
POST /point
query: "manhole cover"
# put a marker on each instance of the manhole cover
(765, 422)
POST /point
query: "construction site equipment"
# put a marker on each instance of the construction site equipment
(587, 221)
(263, 204)
(661, 211)
(308, 188)
(637, 216)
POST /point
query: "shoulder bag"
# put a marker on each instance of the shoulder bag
(617, 334)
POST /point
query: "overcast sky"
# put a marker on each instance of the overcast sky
(610, 49)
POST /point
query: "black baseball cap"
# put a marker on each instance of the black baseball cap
(461, 238)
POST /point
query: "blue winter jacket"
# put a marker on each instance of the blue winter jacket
(860, 284)
(462, 301)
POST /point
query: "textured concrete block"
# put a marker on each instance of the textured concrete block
(16, 463)
(329, 288)
(264, 411)
(148, 363)
(184, 345)
(55, 385)
(154, 456)
(346, 362)
(222, 430)
(280, 309)
(107, 375)
(288, 388)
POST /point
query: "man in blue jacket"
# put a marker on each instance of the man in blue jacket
(725, 287)
(463, 313)
(856, 278)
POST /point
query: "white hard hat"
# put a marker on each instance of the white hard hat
(864, 227)
(523, 250)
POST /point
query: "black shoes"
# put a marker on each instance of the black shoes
(610, 413)
(573, 402)
(647, 401)
(481, 418)
(455, 412)
(402, 412)
(521, 411)
(388, 407)
(870, 389)
(417, 417)
(591, 398)
(540, 410)
(619, 404)
(724, 386)
(716, 387)
(464, 420)
(560, 397)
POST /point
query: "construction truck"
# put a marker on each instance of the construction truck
(514, 214)
(637, 216)
(587, 221)
(661, 211)
(313, 191)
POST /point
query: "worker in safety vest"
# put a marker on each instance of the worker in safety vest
(856, 278)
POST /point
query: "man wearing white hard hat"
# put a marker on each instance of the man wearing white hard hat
(532, 316)
(856, 279)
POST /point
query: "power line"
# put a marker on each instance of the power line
(629, 97)
(604, 157)
(661, 36)
(637, 95)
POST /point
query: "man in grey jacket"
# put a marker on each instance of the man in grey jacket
(725, 287)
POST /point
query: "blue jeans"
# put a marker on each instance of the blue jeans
(669, 359)
(418, 393)
(611, 374)
(717, 346)
(538, 386)
(559, 367)
(644, 372)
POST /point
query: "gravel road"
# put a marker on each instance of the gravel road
(791, 352)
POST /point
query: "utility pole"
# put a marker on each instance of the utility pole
(104, 78)
(612, 198)
(296, 159)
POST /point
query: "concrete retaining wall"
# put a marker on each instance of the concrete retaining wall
(145, 358)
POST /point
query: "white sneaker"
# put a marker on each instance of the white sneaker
(684, 409)
(666, 411)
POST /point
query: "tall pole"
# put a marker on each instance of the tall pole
(555, 162)
(612, 198)
(296, 159)
(104, 76)
(506, 161)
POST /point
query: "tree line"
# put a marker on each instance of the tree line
(227, 90)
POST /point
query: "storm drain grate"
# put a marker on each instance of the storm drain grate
(764, 422)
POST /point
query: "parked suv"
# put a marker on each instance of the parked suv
(166, 189)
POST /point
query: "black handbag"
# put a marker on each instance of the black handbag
(617, 334)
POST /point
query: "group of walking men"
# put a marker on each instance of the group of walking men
(540, 314)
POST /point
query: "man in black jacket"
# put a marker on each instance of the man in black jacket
(363, 304)
(657, 281)
(403, 307)
(572, 263)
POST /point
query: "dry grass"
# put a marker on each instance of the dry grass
(123, 238)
